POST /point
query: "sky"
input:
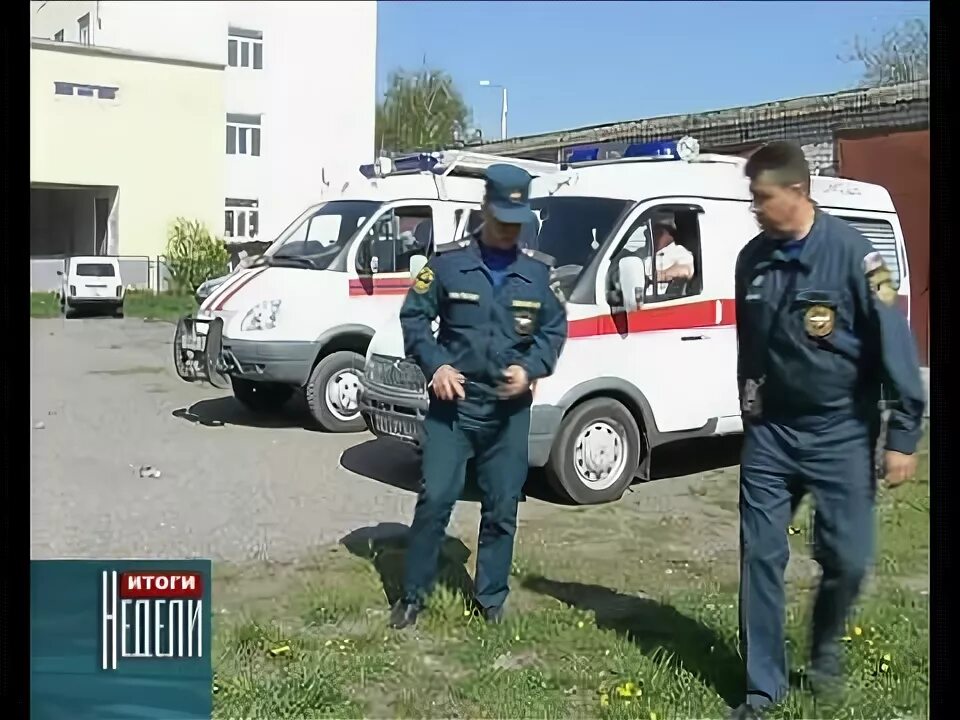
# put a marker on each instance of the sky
(574, 64)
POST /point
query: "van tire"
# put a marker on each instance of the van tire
(607, 417)
(260, 398)
(326, 372)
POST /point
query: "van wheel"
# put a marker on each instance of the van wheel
(596, 453)
(69, 313)
(332, 393)
(261, 397)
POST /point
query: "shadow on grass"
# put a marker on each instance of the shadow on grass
(654, 626)
(384, 546)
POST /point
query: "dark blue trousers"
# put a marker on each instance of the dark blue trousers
(782, 461)
(499, 446)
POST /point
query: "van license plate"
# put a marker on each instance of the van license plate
(191, 343)
(397, 427)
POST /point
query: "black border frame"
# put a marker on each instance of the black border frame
(15, 372)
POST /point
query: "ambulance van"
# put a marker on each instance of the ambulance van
(299, 317)
(645, 363)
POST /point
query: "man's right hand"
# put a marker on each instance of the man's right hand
(447, 383)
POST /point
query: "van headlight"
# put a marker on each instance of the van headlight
(262, 316)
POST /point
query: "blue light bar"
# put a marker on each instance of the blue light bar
(682, 149)
(421, 162)
(583, 155)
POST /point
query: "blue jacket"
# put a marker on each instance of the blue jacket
(819, 333)
(483, 329)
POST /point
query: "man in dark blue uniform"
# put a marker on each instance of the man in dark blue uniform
(501, 328)
(819, 332)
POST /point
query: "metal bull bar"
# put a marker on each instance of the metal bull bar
(199, 358)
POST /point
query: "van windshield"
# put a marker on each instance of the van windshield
(320, 234)
(95, 270)
(572, 231)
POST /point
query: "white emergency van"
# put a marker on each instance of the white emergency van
(300, 316)
(644, 363)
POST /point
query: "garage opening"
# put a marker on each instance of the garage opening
(67, 220)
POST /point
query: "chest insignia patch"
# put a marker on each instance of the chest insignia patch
(424, 281)
(523, 322)
(819, 320)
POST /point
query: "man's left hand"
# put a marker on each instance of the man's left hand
(899, 467)
(515, 382)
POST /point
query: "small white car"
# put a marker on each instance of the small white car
(91, 282)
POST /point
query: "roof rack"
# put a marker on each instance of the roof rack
(449, 162)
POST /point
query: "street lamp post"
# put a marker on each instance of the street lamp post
(503, 106)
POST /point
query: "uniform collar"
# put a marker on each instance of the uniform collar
(811, 244)
(476, 259)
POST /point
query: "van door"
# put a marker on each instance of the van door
(671, 348)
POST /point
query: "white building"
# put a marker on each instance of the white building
(299, 89)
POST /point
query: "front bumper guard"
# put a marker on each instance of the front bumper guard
(200, 358)
(391, 413)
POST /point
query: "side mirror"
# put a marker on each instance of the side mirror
(417, 263)
(633, 282)
(248, 261)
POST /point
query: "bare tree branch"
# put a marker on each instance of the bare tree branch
(900, 55)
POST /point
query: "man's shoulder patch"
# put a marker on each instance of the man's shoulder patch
(424, 280)
(879, 278)
(872, 262)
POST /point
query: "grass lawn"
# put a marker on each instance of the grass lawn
(617, 612)
(137, 304)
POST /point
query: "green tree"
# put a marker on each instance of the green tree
(420, 110)
(194, 255)
(900, 55)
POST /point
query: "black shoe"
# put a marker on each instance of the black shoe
(404, 614)
(492, 615)
(745, 712)
(825, 686)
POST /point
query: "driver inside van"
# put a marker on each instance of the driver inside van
(674, 261)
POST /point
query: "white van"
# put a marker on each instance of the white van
(661, 369)
(91, 282)
(301, 316)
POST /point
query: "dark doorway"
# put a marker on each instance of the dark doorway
(102, 215)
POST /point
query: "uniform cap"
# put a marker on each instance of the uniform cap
(508, 193)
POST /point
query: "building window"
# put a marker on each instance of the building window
(245, 48)
(101, 92)
(243, 134)
(58, 36)
(84, 26)
(241, 220)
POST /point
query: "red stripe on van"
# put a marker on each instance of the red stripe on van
(364, 287)
(653, 319)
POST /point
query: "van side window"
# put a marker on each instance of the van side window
(667, 239)
(395, 239)
(881, 236)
